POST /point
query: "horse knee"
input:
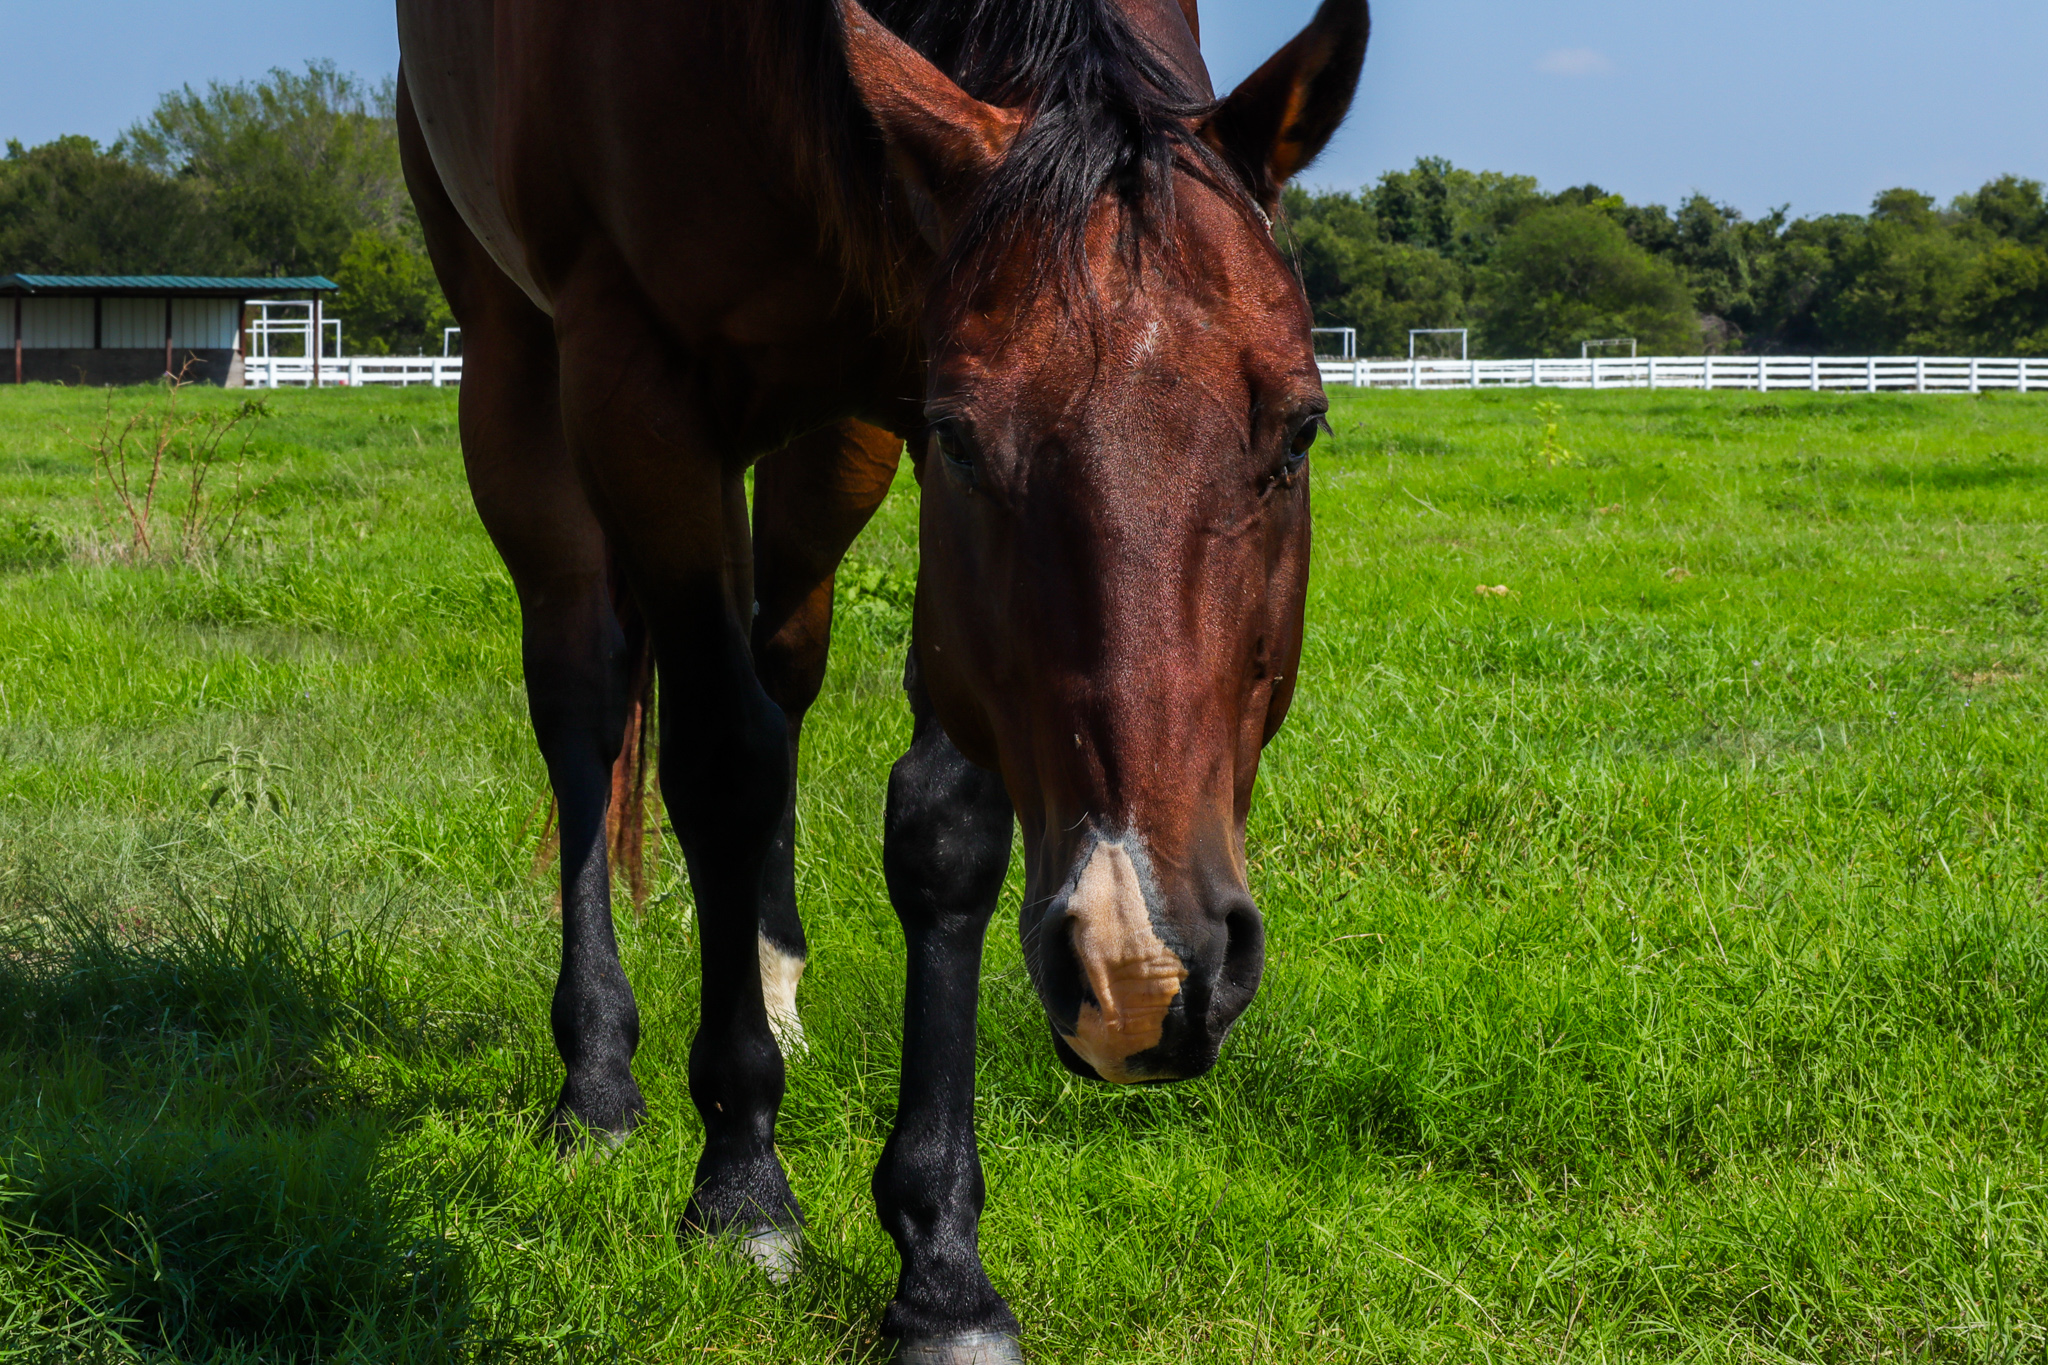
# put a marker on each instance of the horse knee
(946, 838)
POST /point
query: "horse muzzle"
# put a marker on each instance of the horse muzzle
(1134, 991)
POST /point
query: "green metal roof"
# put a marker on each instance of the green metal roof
(217, 286)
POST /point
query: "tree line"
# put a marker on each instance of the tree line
(1536, 274)
(298, 174)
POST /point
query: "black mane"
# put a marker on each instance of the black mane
(1106, 114)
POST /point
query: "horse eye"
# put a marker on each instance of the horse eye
(952, 444)
(1304, 437)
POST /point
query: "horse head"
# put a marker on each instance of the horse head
(1120, 404)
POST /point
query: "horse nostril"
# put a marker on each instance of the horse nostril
(1061, 985)
(1244, 949)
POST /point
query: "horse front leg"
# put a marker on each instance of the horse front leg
(579, 665)
(579, 662)
(946, 847)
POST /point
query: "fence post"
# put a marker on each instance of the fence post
(1973, 374)
(1414, 373)
(1653, 374)
(1870, 374)
(1813, 374)
(2023, 375)
(1919, 374)
(1763, 383)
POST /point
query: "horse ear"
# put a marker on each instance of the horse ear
(943, 143)
(1283, 114)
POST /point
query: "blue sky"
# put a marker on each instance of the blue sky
(1814, 103)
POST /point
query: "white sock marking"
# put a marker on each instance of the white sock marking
(780, 971)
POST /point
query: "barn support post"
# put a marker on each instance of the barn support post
(316, 341)
(169, 373)
(17, 338)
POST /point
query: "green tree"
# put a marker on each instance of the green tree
(2008, 208)
(1458, 214)
(389, 299)
(2002, 307)
(1356, 278)
(67, 207)
(1891, 282)
(1726, 259)
(293, 165)
(301, 172)
(1802, 274)
(1436, 246)
(1568, 274)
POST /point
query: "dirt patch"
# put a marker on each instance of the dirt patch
(1988, 677)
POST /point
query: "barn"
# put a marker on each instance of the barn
(132, 329)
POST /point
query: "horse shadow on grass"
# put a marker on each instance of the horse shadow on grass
(182, 1166)
(228, 1134)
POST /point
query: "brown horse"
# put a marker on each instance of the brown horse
(686, 236)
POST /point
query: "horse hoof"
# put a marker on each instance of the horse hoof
(966, 1348)
(575, 1140)
(777, 1251)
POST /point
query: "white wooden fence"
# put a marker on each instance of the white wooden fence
(1760, 374)
(275, 372)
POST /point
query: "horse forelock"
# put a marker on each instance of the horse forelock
(1108, 116)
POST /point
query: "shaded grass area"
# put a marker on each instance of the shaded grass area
(1658, 964)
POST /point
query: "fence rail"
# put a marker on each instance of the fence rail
(280, 372)
(1759, 374)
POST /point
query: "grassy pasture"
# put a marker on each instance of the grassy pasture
(1659, 967)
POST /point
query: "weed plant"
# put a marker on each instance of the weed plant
(1658, 967)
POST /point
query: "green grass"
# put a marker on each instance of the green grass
(1658, 961)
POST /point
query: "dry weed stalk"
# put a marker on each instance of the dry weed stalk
(160, 436)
